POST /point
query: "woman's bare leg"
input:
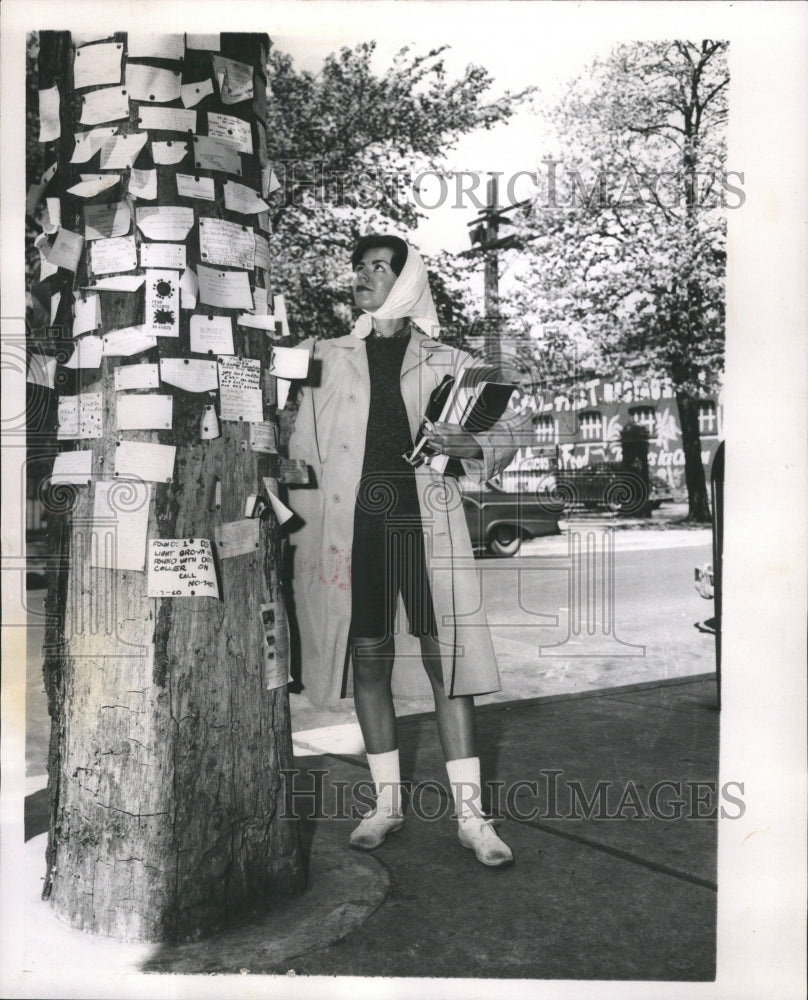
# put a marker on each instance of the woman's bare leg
(373, 696)
(455, 715)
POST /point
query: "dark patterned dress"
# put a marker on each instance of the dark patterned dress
(388, 545)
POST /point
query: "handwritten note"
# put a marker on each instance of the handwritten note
(162, 303)
(275, 627)
(235, 79)
(230, 130)
(150, 83)
(190, 186)
(192, 93)
(120, 151)
(145, 45)
(96, 65)
(190, 374)
(141, 376)
(72, 467)
(228, 289)
(259, 300)
(120, 525)
(86, 314)
(170, 152)
(264, 438)
(164, 222)
(261, 252)
(145, 461)
(169, 255)
(79, 416)
(146, 412)
(104, 221)
(240, 389)
(211, 154)
(239, 198)
(189, 288)
(128, 341)
(49, 125)
(289, 362)
(211, 335)
(166, 119)
(143, 184)
(66, 250)
(181, 567)
(238, 538)
(118, 254)
(107, 105)
(87, 144)
(222, 242)
(87, 354)
(91, 185)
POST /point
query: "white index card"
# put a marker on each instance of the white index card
(120, 525)
(143, 412)
(145, 461)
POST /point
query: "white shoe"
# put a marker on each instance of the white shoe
(373, 830)
(479, 836)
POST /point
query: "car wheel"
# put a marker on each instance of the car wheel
(504, 540)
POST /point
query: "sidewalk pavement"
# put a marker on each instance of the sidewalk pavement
(627, 897)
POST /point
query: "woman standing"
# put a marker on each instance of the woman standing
(379, 534)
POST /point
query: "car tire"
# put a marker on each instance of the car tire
(504, 540)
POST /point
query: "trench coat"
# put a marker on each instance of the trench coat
(329, 435)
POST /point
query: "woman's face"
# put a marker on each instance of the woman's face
(373, 278)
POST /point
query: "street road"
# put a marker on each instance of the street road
(560, 624)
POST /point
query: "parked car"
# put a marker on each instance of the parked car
(499, 521)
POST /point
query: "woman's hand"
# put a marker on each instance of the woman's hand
(452, 440)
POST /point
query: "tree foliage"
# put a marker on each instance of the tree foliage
(625, 242)
(348, 147)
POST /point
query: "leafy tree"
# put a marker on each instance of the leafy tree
(349, 147)
(625, 242)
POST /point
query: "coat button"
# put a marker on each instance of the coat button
(335, 497)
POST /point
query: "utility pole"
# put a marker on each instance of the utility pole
(485, 232)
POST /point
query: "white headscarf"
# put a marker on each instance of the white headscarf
(409, 296)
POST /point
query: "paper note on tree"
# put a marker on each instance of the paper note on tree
(181, 567)
(107, 105)
(211, 335)
(120, 525)
(240, 389)
(223, 242)
(145, 461)
(190, 374)
(238, 538)
(117, 254)
(72, 467)
(163, 303)
(143, 412)
(79, 416)
(96, 65)
(228, 289)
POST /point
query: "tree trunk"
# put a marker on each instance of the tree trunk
(166, 744)
(698, 507)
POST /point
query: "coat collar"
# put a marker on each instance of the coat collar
(419, 350)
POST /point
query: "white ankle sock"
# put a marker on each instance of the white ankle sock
(384, 769)
(464, 777)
